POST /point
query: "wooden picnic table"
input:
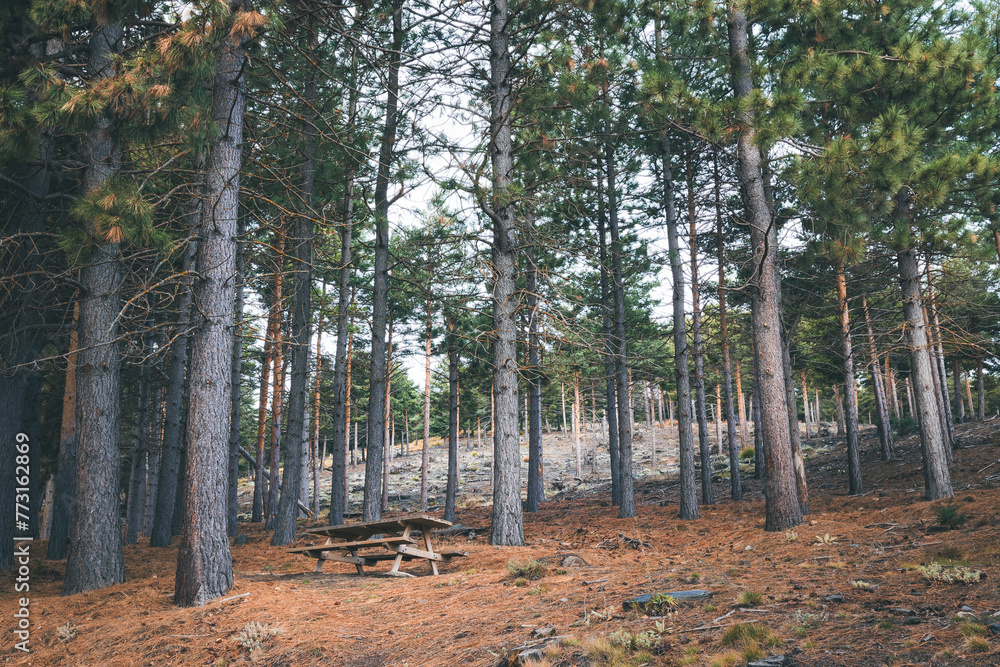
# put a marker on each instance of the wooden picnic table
(368, 543)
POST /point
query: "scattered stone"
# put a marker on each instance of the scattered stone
(903, 611)
(241, 540)
(547, 631)
(911, 620)
(994, 628)
(928, 638)
(834, 598)
(965, 614)
(771, 661)
(641, 602)
(966, 608)
(564, 599)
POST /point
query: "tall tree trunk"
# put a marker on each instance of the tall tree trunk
(452, 484)
(937, 478)
(339, 477)
(705, 449)
(259, 484)
(508, 521)
(610, 405)
(170, 458)
(280, 362)
(315, 460)
(387, 421)
(536, 484)
(735, 483)
(204, 563)
(576, 425)
(688, 488)
(886, 446)
(956, 378)
(839, 405)
(781, 502)
(847, 351)
(65, 496)
(235, 373)
(425, 450)
(136, 487)
(626, 508)
(372, 510)
(807, 413)
(300, 334)
(95, 557)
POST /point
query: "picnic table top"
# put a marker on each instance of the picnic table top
(396, 524)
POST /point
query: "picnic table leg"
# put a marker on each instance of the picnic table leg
(427, 545)
(399, 557)
(319, 565)
(361, 569)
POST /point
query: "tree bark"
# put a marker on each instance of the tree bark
(956, 378)
(980, 389)
(847, 352)
(204, 563)
(937, 479)
(95, 558)
(688, 488)
(280, 362)
(781, 502)
(507, 518)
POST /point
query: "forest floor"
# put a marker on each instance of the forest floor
(844, 589)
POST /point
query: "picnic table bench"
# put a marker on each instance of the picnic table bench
(368, 543)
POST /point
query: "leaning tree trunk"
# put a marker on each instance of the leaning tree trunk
(851, 418)
(937, 478)
(688, 488)
(204, 562)
(886, 446)
(735, 483)
(508, 520)
(300, 334)
(95, 558)
(705, 449)
(610, 405)
(782, 507)
(372, 510)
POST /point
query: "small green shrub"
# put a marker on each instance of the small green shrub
(949, 516)
(749, 599)
(977, 645)
(529, 569)
(950, 552)
(746, 454)
(742, 634)
(862, 585)
(973, 630)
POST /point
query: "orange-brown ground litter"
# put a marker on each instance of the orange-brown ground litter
(475, 612)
